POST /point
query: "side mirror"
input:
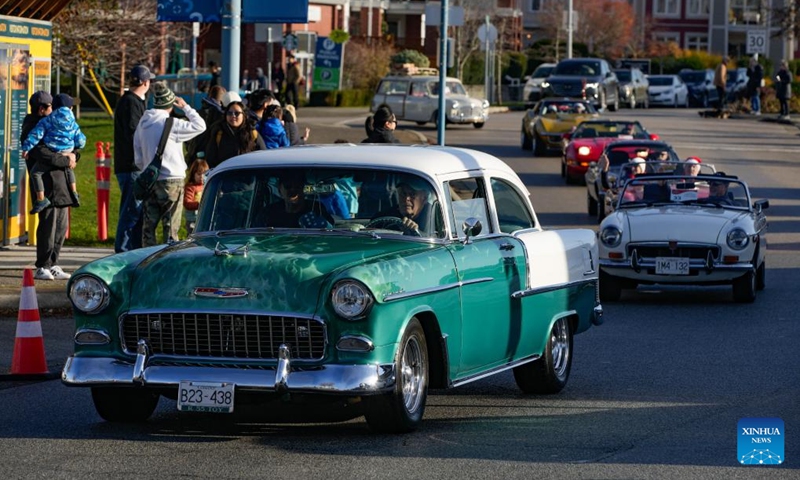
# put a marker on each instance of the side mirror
(471, 228)
(761, 204)
(526, 77)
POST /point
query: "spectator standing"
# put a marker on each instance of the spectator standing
(211, 111)
(261, 78)
(380, 127)
(245, 81)
(271, 128)
(783, 89)
(294, 78)
(755, 77)
(53, 220)
(60, 133)
(193, 191)
(292, 130)
(130, 108)
(278, 77)
(164, 202)
(214, 69)
(233, 136)
(720, 77)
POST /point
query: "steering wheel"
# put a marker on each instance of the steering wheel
(388, 223)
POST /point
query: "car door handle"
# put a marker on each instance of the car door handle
(506, 247)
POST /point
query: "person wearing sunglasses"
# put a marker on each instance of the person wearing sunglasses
(234, 135)
(380, 127)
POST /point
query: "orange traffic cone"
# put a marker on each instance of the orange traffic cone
(29, 345)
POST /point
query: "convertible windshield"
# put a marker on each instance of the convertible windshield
(704, 190)
(566, 107)
(610, 129)
(321, 199)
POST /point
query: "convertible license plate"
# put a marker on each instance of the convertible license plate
(672, 266)
(205, 397)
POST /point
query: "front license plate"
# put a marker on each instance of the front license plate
(205, 397)
(672, 266)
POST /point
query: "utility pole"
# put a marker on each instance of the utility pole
(442, 74)
(569, 29)
(231, 44)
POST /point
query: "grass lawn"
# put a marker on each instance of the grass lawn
(83, 221)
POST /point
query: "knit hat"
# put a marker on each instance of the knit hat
(40, 98)
(230, 97)
(693, 160)
(62, 100)
(163, 96)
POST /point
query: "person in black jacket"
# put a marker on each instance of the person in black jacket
(292, 130)
(755, 75)
(53, 220)
(233, 136)
(130, 108)
(380, 127)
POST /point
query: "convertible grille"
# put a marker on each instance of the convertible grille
(651, 251)
(217, 335)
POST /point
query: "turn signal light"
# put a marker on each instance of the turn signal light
(730, 259)
(615, 255)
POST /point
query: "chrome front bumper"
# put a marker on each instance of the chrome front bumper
(327, 379)
(700, 271)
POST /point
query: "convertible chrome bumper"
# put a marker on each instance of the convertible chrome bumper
(327, 379)
(700, 271)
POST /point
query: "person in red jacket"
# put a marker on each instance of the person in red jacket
(193, 191)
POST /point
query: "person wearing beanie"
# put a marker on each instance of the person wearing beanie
(129, 111)
(61, 134)
(380, 127)
(165, 202)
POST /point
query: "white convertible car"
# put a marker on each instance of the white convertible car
(683, 229)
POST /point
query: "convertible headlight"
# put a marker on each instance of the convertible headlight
(584, 150)
(611, 237)
(89, 294)
(738, 239)
(351, 299)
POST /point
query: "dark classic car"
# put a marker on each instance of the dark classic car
(589, 139)
(633, 87)
(545, 123)
(347, 275)
(589, 78)
(700, 83)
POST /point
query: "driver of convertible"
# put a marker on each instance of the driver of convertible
(412, 211)
(718, 192)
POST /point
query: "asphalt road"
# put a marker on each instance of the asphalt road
(656, 392)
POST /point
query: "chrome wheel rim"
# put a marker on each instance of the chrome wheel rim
(412, 376)
(559, 347)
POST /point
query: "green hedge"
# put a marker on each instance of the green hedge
(342, 98)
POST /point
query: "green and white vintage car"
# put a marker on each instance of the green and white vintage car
(362, 274)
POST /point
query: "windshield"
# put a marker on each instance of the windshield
(704, 190)
(691, 77)
(451, 88)
(610, 129)
(586, 68)
(661, 81)
(320, 198)
(623, 75)
(542, 72)
(566, 107)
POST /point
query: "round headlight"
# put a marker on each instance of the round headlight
(611, 236)
(88, 294)
(584, 150)
(545, 84)
(351, 299)
(738, 239)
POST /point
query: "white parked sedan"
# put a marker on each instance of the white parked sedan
(683, 229)
(668, 90)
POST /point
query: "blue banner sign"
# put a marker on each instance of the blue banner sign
(253, 11)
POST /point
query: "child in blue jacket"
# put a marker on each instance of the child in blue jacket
(60, 133)
(271, 128)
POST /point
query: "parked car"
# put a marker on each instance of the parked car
(736, 83)
(545, 123)
(532, 91)
(684, 230)
(416, 98)
(600, 181)
(668, 90)
(585, 144)
(306, 279)
(633, 87)
(700, 83)
(589, 78)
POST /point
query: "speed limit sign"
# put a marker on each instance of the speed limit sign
(756, 42)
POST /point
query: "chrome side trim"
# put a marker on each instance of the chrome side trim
(282, 372)
(327, 379)
(141, 362)
(552, 288)
(501, 368)
(425, 291)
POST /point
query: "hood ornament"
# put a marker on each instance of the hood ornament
(226, 252)
(220, 292)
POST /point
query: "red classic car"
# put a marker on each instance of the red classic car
(587, 141)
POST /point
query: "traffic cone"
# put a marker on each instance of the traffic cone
(29, 345)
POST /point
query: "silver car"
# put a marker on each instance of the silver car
(416, 98)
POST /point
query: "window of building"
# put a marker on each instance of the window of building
(697, 42)
(535, 5)
(697, 8)
(746, 12)
(666, 8)
(666, 37)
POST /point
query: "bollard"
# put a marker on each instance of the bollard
(103, 184)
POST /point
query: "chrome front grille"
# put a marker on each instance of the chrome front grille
(651, 251)
(216, 335)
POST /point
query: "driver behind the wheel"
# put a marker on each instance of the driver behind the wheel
(412, 210)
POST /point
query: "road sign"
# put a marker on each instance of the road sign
(487, 30)
(756, 42)
(327, 65)
(290, 42)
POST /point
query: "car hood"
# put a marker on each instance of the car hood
(561, 123)
(280, 272)
(573, 79)
(464, 100)
(661, 88)
(677, 222)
